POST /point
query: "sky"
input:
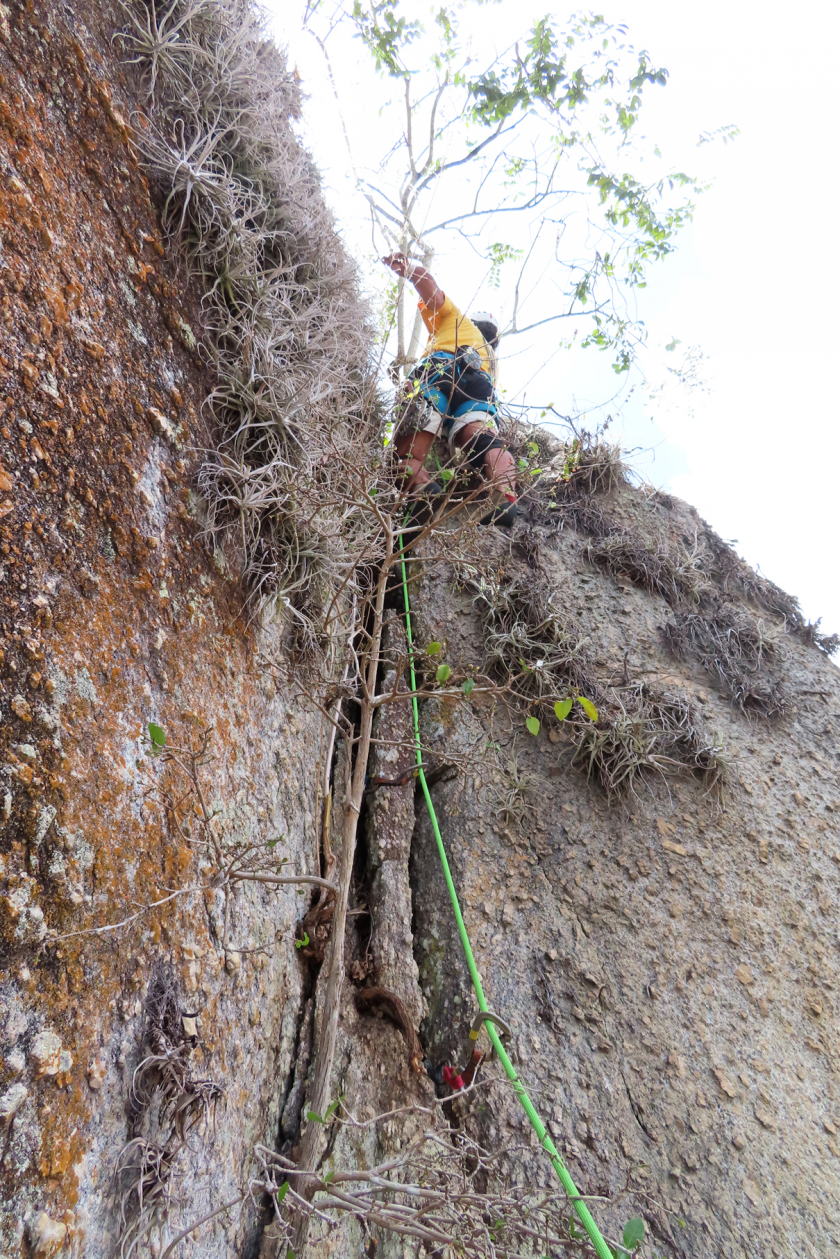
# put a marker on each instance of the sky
(752, 285)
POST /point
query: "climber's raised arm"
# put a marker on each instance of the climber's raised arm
(431, 296)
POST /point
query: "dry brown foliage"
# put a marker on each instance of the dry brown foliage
(285, 331)
(530, 639)
(731, 645)
(167, 1103)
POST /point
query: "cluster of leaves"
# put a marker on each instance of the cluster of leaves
(386, 33)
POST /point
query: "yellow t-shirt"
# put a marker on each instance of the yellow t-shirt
(450, 330)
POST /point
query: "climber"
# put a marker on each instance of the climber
(451, 394)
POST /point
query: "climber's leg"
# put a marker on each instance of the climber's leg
(413, 449)
(420, 419)
(486, 450)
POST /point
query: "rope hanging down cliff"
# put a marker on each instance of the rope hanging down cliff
(602, 1249)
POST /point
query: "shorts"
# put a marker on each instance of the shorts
(447, 394)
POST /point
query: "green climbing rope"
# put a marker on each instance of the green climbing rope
(537, 1124)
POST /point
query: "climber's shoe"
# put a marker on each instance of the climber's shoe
(503, 514)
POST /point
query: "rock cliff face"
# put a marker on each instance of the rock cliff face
(668, 960)
(665, 952)
(115, 615)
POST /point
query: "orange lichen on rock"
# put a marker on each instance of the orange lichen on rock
(112, 615)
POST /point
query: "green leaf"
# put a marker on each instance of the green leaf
(433, 649)
(314, 1116)
(534, 448)
(301, 944)
(333, 1106)
(562, 709)
(329, 1178)
(672, 345)
(468, 687)
(290, 1254)
(588, 707)
(634, 1233)
(533, 725)
(443, 673)
(282, 1191)
(157, 737)
(446, 475)
(272, 843)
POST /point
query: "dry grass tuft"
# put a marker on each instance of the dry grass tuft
(652, 563)
(646, 732)
(539, 651)
(289, 341)
(167, 1104)
(515, 797)
(734, 575)
(732, 647)
(527, 638)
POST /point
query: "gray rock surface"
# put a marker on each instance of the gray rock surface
(668, 961)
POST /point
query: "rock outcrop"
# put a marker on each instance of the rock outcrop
(652, 897)
(115, 615)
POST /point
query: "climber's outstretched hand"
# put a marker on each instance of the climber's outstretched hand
(399, 263)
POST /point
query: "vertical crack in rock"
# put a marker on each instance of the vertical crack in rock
(295, 1092)
(389, 830)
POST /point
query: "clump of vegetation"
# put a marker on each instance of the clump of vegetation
(731, 645)
(646, 732)
(736, 576)
(568, 487)
(653, 563)
(528, 643)
(167, 1104)
(516, 794)
(287, 336)
(562, 481)
(539, 651)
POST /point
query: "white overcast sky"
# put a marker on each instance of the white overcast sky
(753, 283)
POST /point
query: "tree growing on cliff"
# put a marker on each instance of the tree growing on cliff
(530, 157)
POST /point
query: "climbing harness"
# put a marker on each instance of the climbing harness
(602, 1249)
(456, 381)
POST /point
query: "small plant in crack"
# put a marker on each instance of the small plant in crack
(168, 1104)
(515, 795)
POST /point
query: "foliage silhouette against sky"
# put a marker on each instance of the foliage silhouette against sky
(747, 300)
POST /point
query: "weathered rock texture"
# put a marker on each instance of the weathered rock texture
(114, 615)
(667, 959)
